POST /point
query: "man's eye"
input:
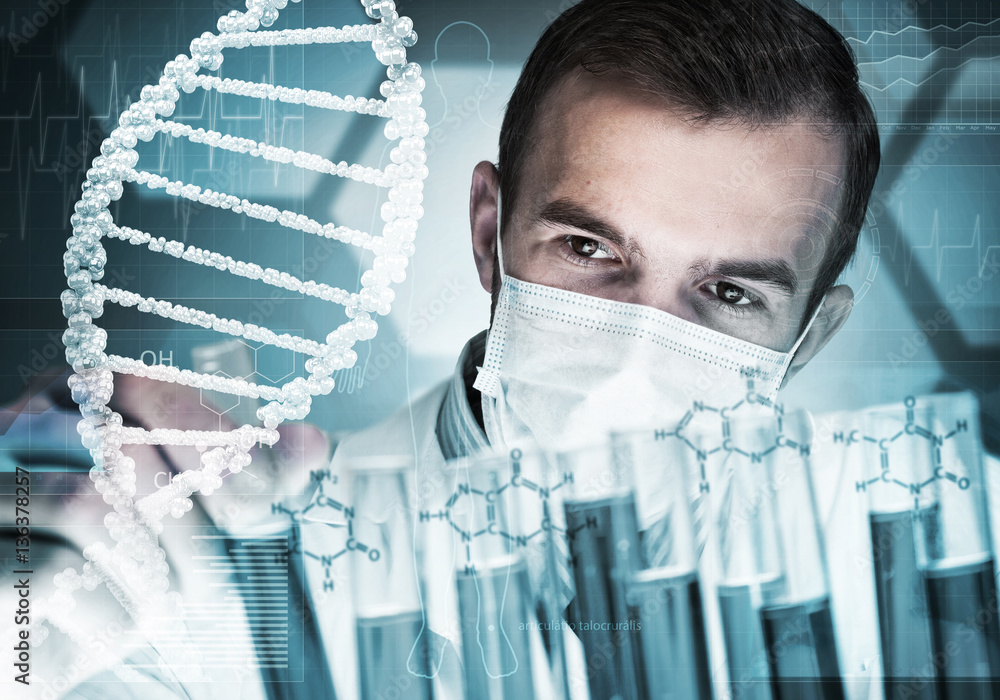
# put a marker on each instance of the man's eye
(589, 248)
(731, 294)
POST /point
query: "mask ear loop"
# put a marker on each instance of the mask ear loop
(488, 378)
(802, 337)
(499, 246)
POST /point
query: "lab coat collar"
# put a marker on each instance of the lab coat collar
(459, 434)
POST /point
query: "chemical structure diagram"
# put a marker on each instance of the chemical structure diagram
(705, 430)
(493, 526)
(320, 501)
(236, 353)
(911, 430)
(699, 418)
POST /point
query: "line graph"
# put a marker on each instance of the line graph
(955, 64)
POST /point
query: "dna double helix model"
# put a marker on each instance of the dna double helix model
(134, 567)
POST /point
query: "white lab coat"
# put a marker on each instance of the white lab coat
(842, 510)
(843, 518)
(410, 432)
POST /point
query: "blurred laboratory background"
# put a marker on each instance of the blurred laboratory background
(927, 313)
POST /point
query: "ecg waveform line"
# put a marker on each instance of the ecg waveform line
(976, 244)
(24, 160)
(68, 160)
(36, 110)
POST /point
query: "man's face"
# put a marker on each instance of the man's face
(718, 224)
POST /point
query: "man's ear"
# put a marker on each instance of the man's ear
(483, 219)
(832, 315)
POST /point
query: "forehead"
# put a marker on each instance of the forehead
(628, 153)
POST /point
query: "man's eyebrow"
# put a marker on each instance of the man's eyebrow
(565, 212)
(776, 273)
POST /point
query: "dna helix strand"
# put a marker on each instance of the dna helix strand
(134, 568)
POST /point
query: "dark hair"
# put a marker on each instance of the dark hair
(750, 62)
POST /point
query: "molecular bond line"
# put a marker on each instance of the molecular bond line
(911, 430)
(345, 513)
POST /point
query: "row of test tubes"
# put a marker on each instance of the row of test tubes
(605, 571)
(932, 549)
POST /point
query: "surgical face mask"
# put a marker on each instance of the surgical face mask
(563, 370)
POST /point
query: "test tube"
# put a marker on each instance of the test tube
(951, 535)
(540, 486)
(393, 658)
(903, 508)
(771, 507)
(492, 582)
(664, 595)
(602, 529)
(750, 567)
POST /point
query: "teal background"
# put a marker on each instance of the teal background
(928, 312)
